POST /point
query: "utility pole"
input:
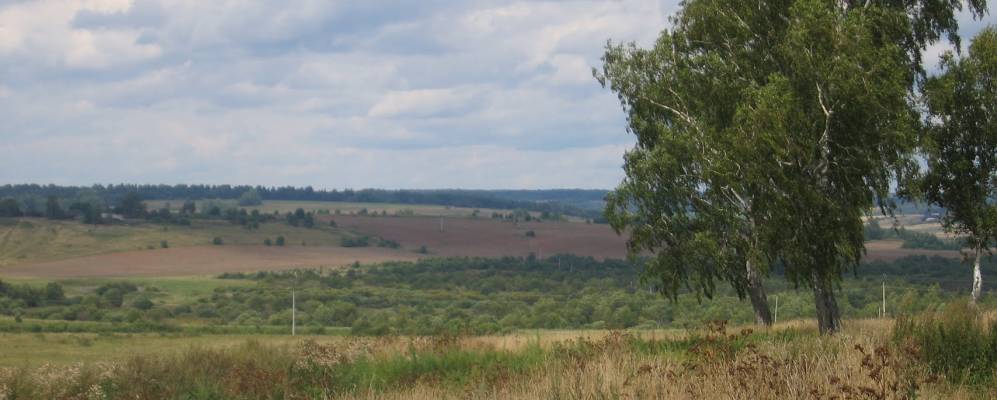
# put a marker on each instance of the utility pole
(776, 319)
(884, 296)
(294, 321)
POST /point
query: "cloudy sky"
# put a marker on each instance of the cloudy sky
(333, 94)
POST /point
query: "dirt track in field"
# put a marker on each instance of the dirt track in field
(491, 238)
(204, 260)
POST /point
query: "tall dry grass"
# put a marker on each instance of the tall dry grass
(717, 361)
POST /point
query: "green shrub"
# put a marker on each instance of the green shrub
(217, 241)
(361, 241)
(142, 303)
(956, 342)
(164, 244)
(280, 240)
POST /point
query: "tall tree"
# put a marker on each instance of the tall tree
(250, 197)
(132, 206)
(766, 130)
(10, 208)
(53, 210)
(961, 146)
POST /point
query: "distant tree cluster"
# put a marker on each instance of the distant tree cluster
(300, 218)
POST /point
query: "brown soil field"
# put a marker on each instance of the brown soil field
(204, 260)
(888, 250)
(486, 237)
(482, 237)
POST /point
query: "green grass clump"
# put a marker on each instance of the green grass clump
(452, 368)
(956, 342)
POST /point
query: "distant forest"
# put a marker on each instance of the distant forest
(576, 202)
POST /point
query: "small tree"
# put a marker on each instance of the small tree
(961, 146)
(53, 210)
(9, 208)
(189, 207)
(250, 197)
(54, 292)
(132, 206)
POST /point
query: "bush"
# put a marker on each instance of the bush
(217, 241)
(142, 303)
(362, 241)
(280, 240)
(531, 234)
(164, 244)
(267, 242)
(956, 342)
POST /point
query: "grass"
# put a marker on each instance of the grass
(789, 361)
(958, 342)
(27, 240)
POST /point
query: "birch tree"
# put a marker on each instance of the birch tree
(765, 131)
(961, 146)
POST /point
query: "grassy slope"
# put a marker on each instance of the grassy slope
(26, 240)
(285, 206)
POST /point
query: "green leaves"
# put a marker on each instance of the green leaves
(961, 141)
(765, 131)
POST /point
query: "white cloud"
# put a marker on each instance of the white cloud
(422, 103)
(378, 93)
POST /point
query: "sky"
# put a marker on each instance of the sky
(423, 94)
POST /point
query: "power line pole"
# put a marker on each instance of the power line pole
(294, 320)
(884, 296)
(776, 319)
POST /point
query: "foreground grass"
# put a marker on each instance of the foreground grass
(789, 361)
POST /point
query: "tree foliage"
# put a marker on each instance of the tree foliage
(961, 143)
(765, 131)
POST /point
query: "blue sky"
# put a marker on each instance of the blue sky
(418, 94)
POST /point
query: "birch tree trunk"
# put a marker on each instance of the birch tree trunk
(828, 315)
(977, 276)
(759, 300)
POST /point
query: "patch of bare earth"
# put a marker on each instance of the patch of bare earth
(204, 260)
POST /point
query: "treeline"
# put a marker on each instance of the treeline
(32, 196)
(132, 207)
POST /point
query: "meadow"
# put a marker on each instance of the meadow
(870, 359)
